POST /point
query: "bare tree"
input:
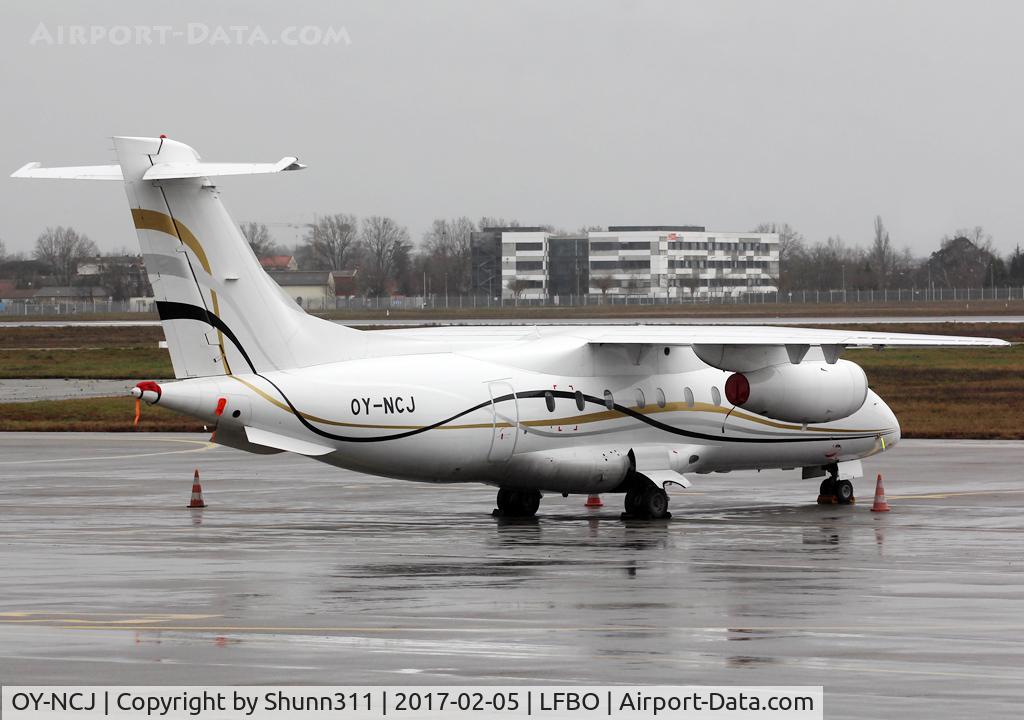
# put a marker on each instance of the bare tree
(62, 248)
(333, 242)
(258, 237)
(494, 222)
(792, 253)
(516, 286)
(447, 247)
(881, 257)
(3, 250)
(965, 259)
(604, 283)
(386, 247)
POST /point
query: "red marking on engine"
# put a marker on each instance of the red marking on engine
(221, 403)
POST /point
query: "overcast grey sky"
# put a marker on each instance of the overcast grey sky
(820, 114)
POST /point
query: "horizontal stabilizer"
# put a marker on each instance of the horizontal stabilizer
(283, 442)
(176, 171)
(159, 171)
(81, 172)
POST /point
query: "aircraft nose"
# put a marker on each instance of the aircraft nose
(891, 424)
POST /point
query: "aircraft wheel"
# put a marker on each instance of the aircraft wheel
(828, 487)
(654, 503)
(517, 503)
(633, 501)
(503, 501)
(529, 503)
(844, 492)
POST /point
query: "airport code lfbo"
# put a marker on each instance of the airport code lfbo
(371, 702)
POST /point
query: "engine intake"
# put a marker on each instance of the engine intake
(811, 392)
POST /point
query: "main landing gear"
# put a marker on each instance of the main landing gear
(517, 503)
(646, 501)
(834, 491)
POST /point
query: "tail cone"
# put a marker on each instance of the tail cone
(593, 501)
(880, 505)
(197, 492)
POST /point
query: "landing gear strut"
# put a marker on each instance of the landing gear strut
(834, 491)
(517, 503)
(647, 501)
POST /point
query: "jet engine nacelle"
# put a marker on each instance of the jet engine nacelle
(811, 392)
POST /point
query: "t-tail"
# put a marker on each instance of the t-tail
(221, 313)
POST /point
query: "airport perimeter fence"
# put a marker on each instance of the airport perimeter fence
(33, 307)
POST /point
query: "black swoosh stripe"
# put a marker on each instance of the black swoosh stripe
(184, 311)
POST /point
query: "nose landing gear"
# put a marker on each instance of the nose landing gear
(834, 491)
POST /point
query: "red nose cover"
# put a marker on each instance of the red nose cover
(737, 389)
(150, 386)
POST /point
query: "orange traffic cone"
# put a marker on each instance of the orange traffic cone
(880, 505)
(197, 493)
(593, 501)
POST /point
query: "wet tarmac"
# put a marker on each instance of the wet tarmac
(301, 573)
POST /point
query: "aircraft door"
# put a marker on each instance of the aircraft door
(505, 414)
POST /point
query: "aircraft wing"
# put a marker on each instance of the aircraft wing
(683, 335)
(770, 335)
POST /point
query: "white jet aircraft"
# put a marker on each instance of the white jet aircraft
(574, 409)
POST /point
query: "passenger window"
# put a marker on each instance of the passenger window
(549, 400)
(659, 396)
(688, 394)
(641, 401)
(609, 400)
(716, 396)
(581, 404)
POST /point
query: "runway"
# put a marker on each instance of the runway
(301, 573)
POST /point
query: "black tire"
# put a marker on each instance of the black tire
(506, 500)
(655, 503)
(529, 503)
(517, 503)
(828, 487)
(844, 492)
(632, 502)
